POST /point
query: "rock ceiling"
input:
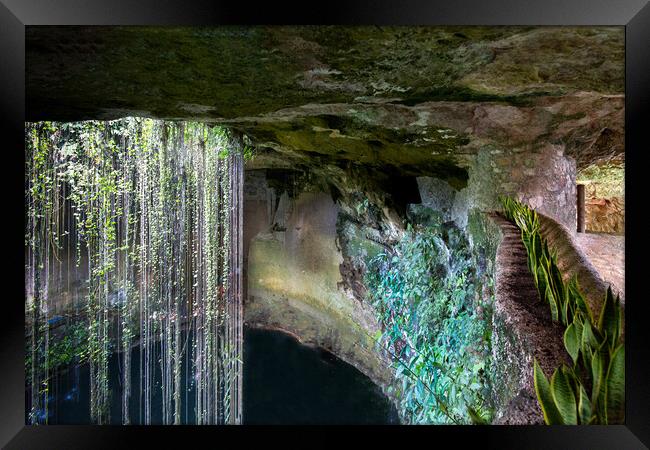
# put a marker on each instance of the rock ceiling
(417, 98)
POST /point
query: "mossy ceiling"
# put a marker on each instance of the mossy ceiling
(414, 97)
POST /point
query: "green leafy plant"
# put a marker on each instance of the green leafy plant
(424, 294)
(592, 390)
(149, 209)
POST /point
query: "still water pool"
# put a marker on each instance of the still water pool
(285, 382)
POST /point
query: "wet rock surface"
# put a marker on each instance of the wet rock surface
(233, 71)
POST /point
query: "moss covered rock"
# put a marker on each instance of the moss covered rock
(420, 99)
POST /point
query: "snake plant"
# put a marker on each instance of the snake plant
(592, 389)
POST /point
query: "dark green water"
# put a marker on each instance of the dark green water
(289, 383)
(285, 382)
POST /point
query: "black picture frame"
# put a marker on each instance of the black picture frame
(634, 15)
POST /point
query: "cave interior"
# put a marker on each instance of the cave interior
(365, 142)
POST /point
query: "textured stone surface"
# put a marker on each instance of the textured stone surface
(544, 179)
(522, 330)
(422, 99)
(294, 284)
(605, 215)
(571, 260)
(606, 253)
(490, 111)
(437, 195)
(235, 71)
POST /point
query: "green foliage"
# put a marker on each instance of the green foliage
(595, 346)
(424, 294)
(71, 346)
(148, 204)
(545, 396)
(484, 233)
(362, 206)
(249, 153)
(604, 180)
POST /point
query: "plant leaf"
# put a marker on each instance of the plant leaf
(597, 370)
(572, 342)
(588, 338)
(552, 304)
(615, 387)
(578, 298)
(584, 406)
(609, 319)
(563, 396)
(476, 417)
(543, 390)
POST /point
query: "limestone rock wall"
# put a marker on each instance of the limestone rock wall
(294, 281)
(308, 248)
(437, 194)
(545, 179)
(242, 71)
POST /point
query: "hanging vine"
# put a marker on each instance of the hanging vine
(150, 213)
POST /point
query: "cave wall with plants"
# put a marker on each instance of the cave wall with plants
(373, 146)
(154, 207)
(378, 269)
